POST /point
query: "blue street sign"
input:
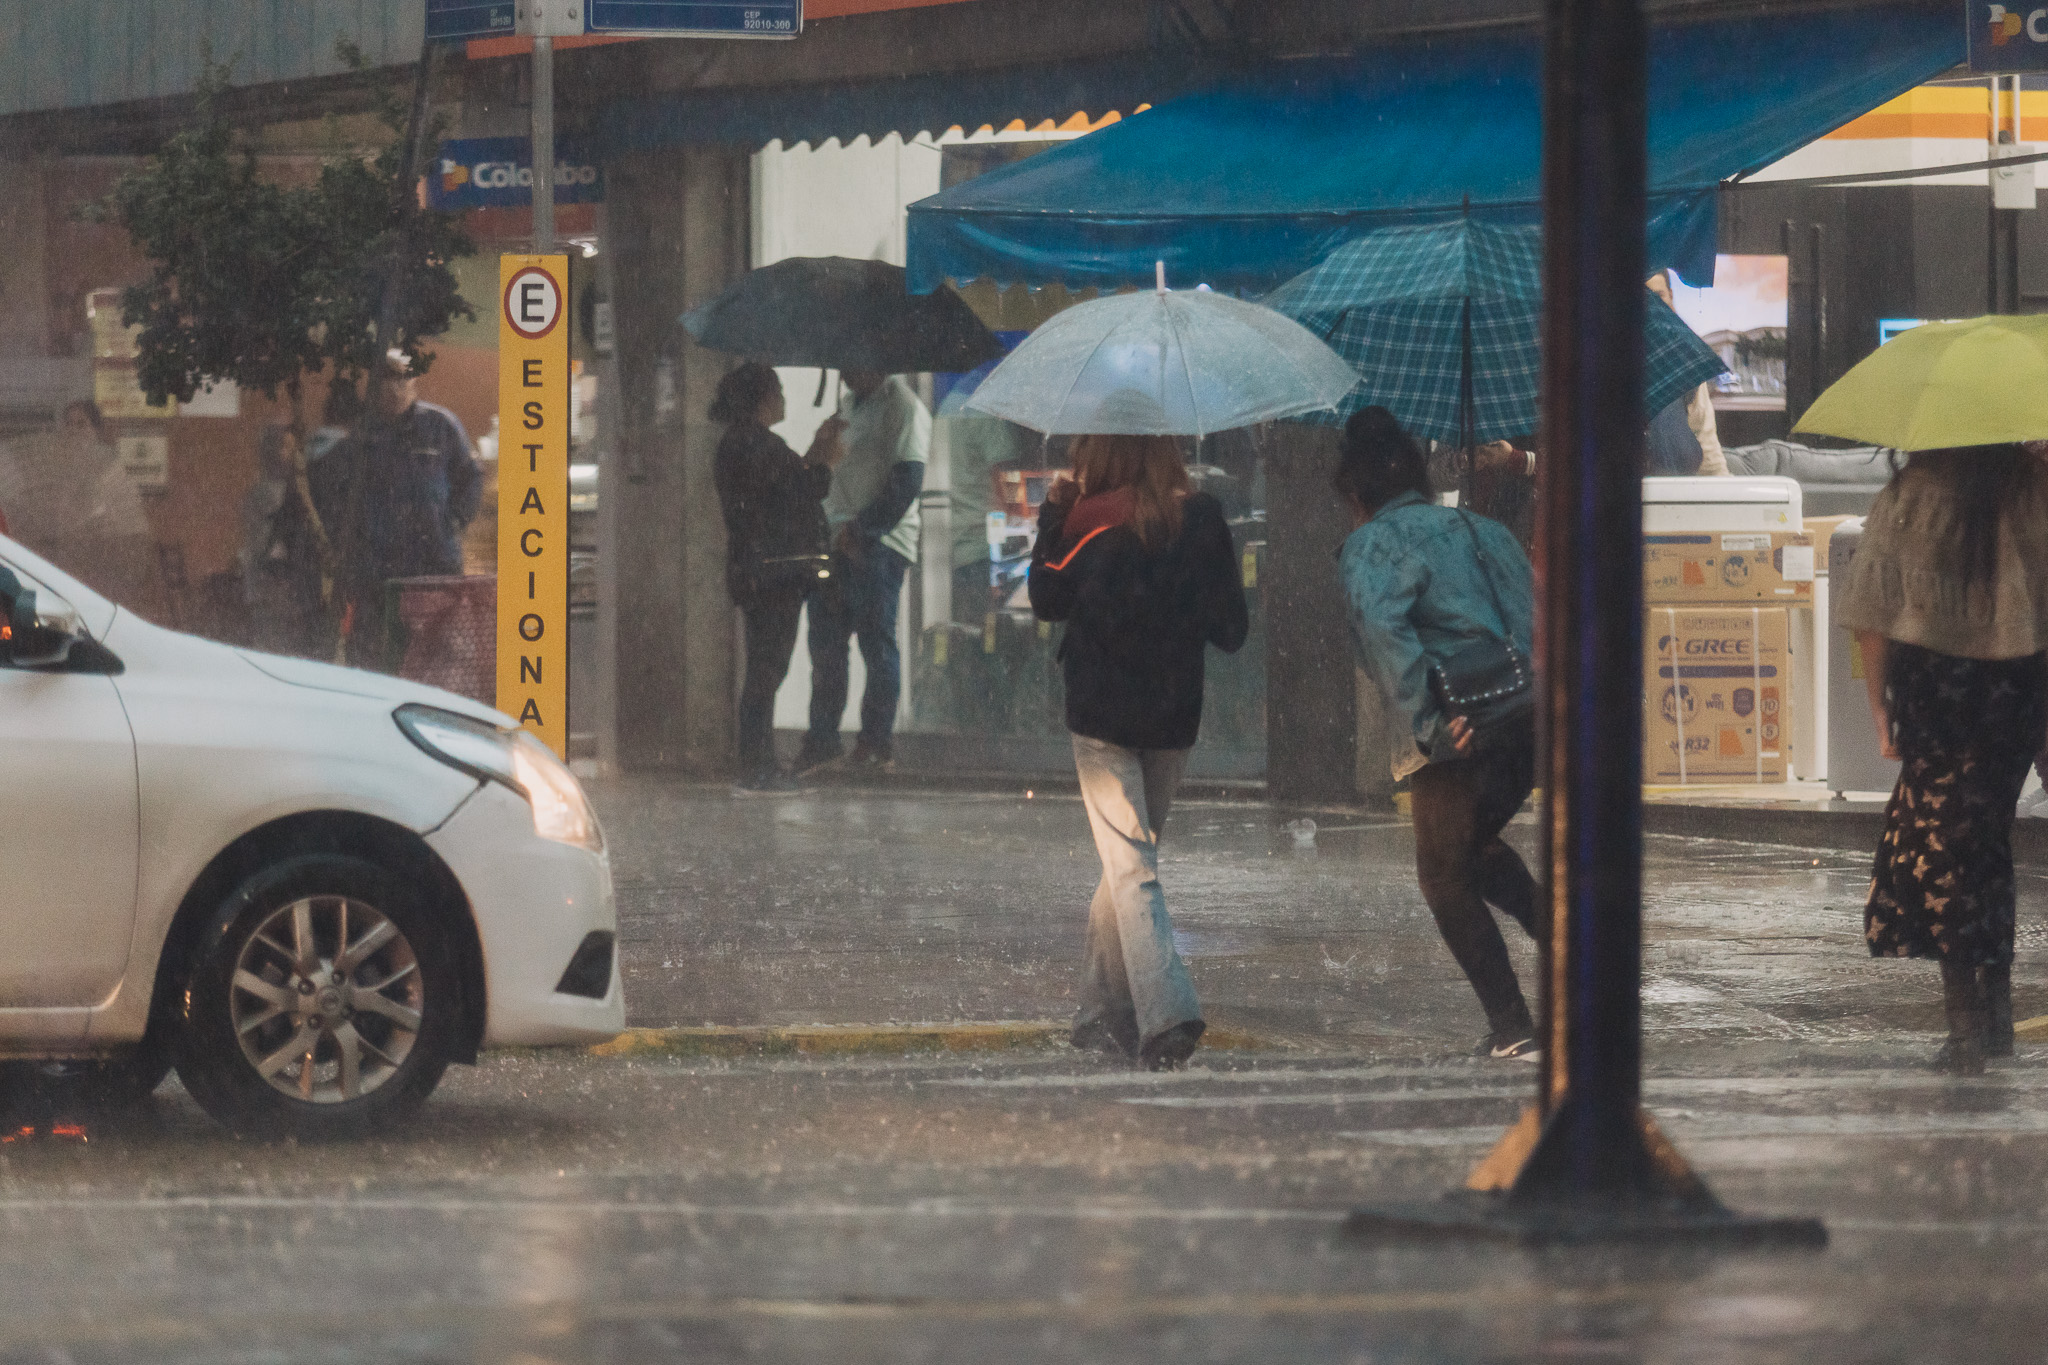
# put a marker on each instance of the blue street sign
(696, 18)
(497, 172)
(2007, 37)
(456, 19)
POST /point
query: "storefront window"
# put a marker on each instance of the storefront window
(982, 682)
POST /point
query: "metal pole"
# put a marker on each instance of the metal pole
(543, 146)
(1817, 297)
(1586, 1162)
(2003, 276)
(1802, 375)
(1594, 169)
(611, 480)
(2011, 243)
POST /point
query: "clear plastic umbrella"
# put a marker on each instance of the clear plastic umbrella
(1164, 363)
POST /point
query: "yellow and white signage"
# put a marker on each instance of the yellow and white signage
(533, 495)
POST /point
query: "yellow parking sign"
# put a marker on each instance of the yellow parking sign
(533, 495)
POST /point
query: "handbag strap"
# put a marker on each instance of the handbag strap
(1500, 612)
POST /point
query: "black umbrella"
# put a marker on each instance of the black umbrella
(841, 314)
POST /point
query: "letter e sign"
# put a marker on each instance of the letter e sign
(533, 302)
(533, 497)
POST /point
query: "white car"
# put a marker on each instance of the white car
(308, 888)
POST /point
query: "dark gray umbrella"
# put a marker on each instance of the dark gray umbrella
(841, 314)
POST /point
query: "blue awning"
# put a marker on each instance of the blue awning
(1247, 185)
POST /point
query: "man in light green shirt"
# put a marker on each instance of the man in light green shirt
(872, 513)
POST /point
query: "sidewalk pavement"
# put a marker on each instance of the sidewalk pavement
(851, 908)
(1792, 814)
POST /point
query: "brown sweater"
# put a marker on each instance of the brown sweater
(1906, 581)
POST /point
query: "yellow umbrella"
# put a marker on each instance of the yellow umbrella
(1976, 383)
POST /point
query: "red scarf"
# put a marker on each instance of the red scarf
(1093, 515)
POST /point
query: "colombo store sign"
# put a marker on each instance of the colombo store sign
(497, 172)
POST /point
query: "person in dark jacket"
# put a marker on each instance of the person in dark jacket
(395, 497)
(1425, 582)
(1145, 576)
(773, 502)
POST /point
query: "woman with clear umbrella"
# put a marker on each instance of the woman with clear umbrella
(1145, 576)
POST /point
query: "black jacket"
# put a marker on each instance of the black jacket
(1137, 623)
(774, 508)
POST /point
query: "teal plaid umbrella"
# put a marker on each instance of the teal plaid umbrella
(1442, 322)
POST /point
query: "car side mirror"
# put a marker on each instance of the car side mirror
(34, 637)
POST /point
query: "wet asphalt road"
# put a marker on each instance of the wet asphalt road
(841, 908)
(1042, 1205)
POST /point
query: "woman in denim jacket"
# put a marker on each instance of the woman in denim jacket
(1423, 581)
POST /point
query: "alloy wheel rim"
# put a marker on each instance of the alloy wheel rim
(327, 999)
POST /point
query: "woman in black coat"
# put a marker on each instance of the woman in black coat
(774, 525)
(1145, 575)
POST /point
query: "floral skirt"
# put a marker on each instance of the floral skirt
(1967, 730)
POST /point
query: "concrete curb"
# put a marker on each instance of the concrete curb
(1845, 831)
(869, 1040)
(1852, 831)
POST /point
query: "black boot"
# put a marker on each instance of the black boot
(1169, 1048)
(1997, 1009)
(1962, 996)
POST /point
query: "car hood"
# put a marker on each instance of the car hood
(356, 682)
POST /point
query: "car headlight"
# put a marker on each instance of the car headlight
(514, 758)
(560, 809)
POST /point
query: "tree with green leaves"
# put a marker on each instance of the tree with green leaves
(268, 284)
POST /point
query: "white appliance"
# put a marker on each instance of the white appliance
(1763, 502)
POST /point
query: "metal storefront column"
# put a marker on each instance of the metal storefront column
(678, 221)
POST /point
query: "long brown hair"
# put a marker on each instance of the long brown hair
(1151, 467)
(1985, 481)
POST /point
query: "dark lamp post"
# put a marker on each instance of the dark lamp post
(1585, 1163)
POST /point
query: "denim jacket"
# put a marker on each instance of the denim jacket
(1418, 594)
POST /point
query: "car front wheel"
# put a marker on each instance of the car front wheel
(324, 1002)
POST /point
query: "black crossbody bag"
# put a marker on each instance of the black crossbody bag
(1489, 682)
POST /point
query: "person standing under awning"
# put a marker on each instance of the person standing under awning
(1497, 480)
(1697, 408)
(396, 496)
(773, 503)
(873, 517)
